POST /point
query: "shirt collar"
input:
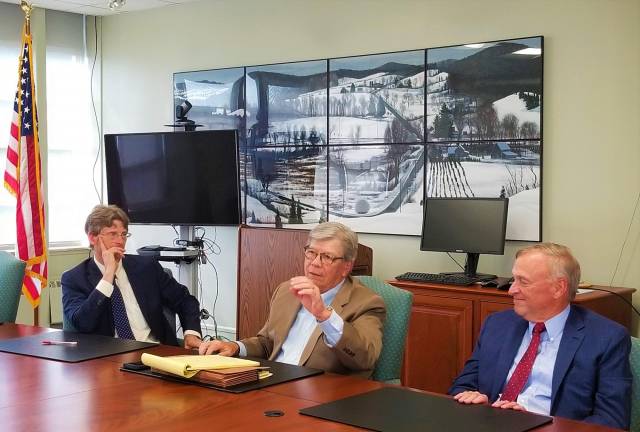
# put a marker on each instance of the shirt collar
(554, 326)
(328, 296)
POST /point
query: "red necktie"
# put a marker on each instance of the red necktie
(523, 370)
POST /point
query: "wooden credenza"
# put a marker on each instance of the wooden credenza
(446, 320)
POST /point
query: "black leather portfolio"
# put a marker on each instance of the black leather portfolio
(47, 345)
(282, 372)
(402, 410)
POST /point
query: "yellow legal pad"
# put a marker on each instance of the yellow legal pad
(189, 365)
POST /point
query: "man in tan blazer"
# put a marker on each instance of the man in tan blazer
(324, 319)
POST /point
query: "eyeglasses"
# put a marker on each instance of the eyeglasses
(325, 259)
(114, 235)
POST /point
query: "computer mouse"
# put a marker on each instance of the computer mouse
(505, 284)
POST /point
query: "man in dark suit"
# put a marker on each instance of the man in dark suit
(576, 365)
(125, 295)
(324, 319)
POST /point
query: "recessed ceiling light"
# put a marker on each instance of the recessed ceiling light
(116, 4)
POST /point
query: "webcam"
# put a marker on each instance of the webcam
(182, 110)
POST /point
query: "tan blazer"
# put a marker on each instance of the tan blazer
(358, 349)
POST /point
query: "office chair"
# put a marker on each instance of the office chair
(634, 361)
(11, 276)
(394, 332)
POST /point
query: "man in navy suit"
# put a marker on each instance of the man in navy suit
(114, 294)
(578, 363)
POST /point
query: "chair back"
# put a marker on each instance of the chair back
(11, 276)
(634, 361)
(394, 332)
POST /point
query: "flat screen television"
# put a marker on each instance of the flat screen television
(178, 178)
(469, 225)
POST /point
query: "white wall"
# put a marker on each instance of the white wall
(591, 97)
(225, 263)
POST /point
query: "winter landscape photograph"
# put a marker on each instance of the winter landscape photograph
(364, 139)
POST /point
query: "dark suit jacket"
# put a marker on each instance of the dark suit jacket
(90, 311)
(358, 349)
(591, 377)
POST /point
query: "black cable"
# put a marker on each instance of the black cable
(619, 295)
(454, 260)
(95, 112)
(175, 240)
(626, 237)
(209, 246)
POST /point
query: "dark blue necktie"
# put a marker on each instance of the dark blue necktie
(120, 319)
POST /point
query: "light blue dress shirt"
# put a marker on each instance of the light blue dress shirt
(302, 327)
(536, 395)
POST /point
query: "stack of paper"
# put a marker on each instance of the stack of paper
(213, 369)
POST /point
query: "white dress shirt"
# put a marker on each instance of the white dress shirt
(536, 394)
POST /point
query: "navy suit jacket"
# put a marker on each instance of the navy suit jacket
(591, 377)
(90, 311)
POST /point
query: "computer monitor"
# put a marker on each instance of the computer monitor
(469, 225)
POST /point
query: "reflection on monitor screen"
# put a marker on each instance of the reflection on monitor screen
(469, 225)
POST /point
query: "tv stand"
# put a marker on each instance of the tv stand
(188, 269)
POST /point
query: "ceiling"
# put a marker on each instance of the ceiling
(99, 7)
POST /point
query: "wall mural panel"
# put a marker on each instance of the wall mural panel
(377, 99)
(363, 140)
(217, 97)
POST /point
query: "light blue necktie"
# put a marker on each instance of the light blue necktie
(120, 319)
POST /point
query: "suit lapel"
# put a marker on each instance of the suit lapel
(288, 310)
(512, 341)
(572, 337)
(339, 302)
(93, 273)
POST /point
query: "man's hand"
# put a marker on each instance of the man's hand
(110, 258)
(308, 294)
(508, 405)
(192, 341)
(227, 349)
(471, 397)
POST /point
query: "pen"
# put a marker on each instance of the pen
(66, 343)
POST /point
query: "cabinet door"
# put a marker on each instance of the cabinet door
(438, 342)
(486, 309)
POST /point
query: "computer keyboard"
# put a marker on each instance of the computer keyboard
(457, 279)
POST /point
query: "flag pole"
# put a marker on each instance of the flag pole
(26, 8)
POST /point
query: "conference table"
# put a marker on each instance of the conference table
(46, 395)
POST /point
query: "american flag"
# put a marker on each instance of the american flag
(23, 178)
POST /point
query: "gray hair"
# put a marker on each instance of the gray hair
(102, 216)
(562, 263)
(335, 230)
